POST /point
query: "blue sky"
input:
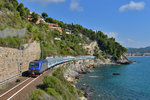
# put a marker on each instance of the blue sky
(126, 20)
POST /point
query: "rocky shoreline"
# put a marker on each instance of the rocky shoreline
(74, 69)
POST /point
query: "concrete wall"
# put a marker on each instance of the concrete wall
(10, 59)
(12, 32)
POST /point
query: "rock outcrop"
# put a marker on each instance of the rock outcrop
(92, 48)
(75, 68)
(123, 60)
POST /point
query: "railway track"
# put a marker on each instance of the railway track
(22, 90)
(8, 95)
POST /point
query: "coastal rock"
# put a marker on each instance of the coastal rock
(83, 98)
(91, 90)
(123, 60)
(116, 73)
(83, 89)
(92, 48)
(86, 94)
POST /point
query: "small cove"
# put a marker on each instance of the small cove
(133, 83)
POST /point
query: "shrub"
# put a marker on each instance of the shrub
(36, 95)
(17, 80)
(1, 5)
(52, 92)
(9, 6)
(53, 82)
(79, 93)
(59, 74)
(100, 57)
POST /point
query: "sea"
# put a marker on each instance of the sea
(133, 83)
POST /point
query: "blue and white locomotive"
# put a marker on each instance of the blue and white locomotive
(37, 67)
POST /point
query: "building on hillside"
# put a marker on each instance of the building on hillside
(38, 21)
(57, 38)
(68, 31)
(29, 18)
(54, 26)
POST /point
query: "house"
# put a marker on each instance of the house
(57, 38)
(38, 21)
(29, 18)
(68, 31)
(54, 26)
(51, 25)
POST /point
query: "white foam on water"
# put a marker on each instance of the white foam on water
(94, 76)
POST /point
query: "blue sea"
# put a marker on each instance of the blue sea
(133, 83)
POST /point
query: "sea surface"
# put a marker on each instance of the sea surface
(133, 83)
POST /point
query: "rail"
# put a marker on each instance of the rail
(4, 81)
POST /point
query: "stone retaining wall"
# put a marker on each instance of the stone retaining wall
(10, 59)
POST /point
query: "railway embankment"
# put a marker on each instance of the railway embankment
(60, 84)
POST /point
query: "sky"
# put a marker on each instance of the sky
(128, 21)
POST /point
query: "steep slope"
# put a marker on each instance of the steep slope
(53, 41)
(139, 50)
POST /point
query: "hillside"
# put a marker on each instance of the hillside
(55, 37)
(139, 51)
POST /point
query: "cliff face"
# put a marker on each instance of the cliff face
(75, 68)
(92, 48)
(10, 59)
(123, 60)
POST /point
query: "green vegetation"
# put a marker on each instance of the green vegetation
(100, 57)
(44, 15)
(11, 42)
(139, 50)
(53, 93)
(8, 85)
(79, 93)
(15, 15)
(34, 16)
(17, 80)
(37, 94)
(59, 85)
(56, 86)
(107, 45)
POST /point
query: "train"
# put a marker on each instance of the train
(37, 67)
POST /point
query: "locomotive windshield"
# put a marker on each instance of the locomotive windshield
(34, 65)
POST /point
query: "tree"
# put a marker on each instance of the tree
(27, 11)
(35, 17)
(49, 20)
(9, 6)
(44, 15)
(21, 9)
(14, 2)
